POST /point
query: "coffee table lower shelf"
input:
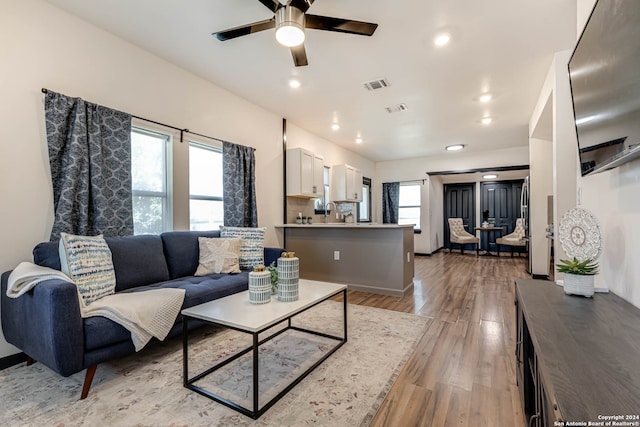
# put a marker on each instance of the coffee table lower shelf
(257, 411)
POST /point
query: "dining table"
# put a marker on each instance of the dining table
(490, 232)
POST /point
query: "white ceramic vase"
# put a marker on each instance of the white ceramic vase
(578, 284)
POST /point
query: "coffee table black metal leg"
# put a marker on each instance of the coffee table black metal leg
(185, 358)
(344, 299)
(255, 375)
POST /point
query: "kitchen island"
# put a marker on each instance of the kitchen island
(367, 257)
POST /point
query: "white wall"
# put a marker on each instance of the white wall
(431, 214)
(565, 147)
(612, 196)
(436, 215)
(333, 154)
(43, 46)
(541, 186)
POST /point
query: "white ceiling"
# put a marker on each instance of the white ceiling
(503, 47)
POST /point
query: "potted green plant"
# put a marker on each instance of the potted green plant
(274, 277)
(578, 275)
(485, 218)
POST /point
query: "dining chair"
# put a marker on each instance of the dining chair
(459, 236)
(514, 239)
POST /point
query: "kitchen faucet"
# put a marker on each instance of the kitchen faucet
(326, 210)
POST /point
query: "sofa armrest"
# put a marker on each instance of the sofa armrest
(46, 324)
(271, 255)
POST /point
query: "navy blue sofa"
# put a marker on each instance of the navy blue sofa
(45, 323)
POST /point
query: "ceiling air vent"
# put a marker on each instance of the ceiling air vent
(376, 84)
(396, 108)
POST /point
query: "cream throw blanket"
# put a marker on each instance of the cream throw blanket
(26, 275)
(145, 314)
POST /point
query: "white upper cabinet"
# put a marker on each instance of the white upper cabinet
(305, 173)
(346, 184)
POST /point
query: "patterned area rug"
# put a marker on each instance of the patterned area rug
(145, 389)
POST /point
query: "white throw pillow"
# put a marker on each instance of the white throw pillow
(88, 263)
(251, 246)
(218, 255)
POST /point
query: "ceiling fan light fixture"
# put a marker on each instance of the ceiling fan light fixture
(290, 26)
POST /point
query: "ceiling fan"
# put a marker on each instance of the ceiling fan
(290, 21)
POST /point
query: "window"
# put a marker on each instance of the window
(321, 203)
(205, 187)
(364, 207)
(150, 181)
(409, 206)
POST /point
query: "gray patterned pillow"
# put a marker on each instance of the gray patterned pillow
(88, 263)
(251, 245)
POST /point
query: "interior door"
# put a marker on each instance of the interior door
(502, 200)
(459, 202)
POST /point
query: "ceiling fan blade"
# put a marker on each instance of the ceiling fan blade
(299, 55)
(339, 25)
(303, 5)
(244, 30)
(272, 5)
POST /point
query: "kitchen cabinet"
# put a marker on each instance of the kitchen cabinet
(346, 184)
(305, 173)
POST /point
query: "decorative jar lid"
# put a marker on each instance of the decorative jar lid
(258, 268)
(288, 255)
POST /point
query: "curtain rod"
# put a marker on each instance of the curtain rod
(408, 180)
(182, 130)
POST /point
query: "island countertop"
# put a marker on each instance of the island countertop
(365, 256)
(371, 225)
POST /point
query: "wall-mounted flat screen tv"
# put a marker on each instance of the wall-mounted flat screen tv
(604, 72)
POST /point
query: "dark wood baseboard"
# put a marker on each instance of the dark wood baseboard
(540, 277)
(429, 254)
(14, 359)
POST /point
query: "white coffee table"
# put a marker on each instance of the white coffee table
(237, 313)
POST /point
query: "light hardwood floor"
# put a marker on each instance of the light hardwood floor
(462, 373)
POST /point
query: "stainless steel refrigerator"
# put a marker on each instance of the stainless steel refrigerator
(524, 214)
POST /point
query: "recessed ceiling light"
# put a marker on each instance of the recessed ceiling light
(490, 176)
(486, 120)
(485, 97)
(442, 39)
(335, 126)
(295, 84)
(454, 147)
(358, 140)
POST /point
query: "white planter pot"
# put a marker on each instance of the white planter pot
(577, 284)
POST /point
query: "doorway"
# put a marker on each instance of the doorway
(502, 201)
(459, 202)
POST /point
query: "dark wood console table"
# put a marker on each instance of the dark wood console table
(577, 359)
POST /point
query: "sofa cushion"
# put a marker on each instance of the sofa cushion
(100, 331)
(137, 260)
(252, 245)
(218, 255)
(47, 254)
(181, 251)
(87, 261)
